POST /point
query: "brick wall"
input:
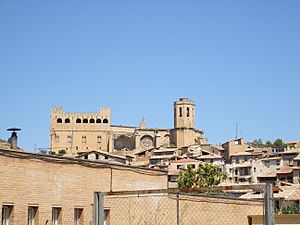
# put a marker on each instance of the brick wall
(46, 182)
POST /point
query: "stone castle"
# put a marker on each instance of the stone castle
(83, 132)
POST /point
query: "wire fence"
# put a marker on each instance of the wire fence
(175, 207)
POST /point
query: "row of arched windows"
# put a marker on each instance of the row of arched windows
(78, 120)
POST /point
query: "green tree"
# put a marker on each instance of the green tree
(187, 178)
(207, 175)
(278, 143)
(257, 143)
(268, 144)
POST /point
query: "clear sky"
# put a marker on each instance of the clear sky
(238, 60)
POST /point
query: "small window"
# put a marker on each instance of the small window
(78, 216)
(78, 120)
(32, 215)
(59, 120)
(98, 120)
(56, 138)
(106, 217)
(254, 169)
(188, 112)
(97, 156)
(106, 157)
(92, 121)
(83, 139)
(99, 139)
(86, 157)
(105, 121)
(56, 216)
(67, 120)
(85, 121)
(69, 139)
(76, 147)
(7, 217)
(180, 112)
(193, 166)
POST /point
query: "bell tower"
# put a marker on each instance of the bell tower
(184, 113)
(184, 133)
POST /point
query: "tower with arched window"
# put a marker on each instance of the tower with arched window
(184, 113)
(184, 132)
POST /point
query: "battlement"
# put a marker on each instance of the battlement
(61, 118)
(184, 101)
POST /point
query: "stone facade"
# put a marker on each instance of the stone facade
(82, 132)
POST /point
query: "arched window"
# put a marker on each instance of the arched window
(92, 121)
(78, 120)
(85, 121)
(105, 121)
(188, 112)
(98, 120)
(99, 139)
(67, 120)
(59, 120)
(180, 112)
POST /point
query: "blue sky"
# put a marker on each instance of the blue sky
(238, 60)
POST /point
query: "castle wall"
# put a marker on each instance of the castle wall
(80, 132)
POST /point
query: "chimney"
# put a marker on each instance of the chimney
(13, 140)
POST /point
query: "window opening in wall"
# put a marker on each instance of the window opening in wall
(76, 147)
(98, 120)
(83, 139)
(99, 139)
(56, 138)
(188, 112)
(56, 216)
(106, 157)
(67, 120)
(105, 121)
(32, 215)
(78, 120)
(59, 120)
(69, 139)
(92, 121)
(97, 156)
(7, 214)
(85, 120)
(86, 157)
(180, 112)
(106, 217)
(78, 216)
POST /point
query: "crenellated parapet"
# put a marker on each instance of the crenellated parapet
(61, 118)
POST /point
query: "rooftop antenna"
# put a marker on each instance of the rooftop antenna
(236, 130)
(13, 140)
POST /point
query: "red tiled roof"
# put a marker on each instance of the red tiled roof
(284, 170)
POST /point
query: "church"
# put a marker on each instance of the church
(76, 133)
